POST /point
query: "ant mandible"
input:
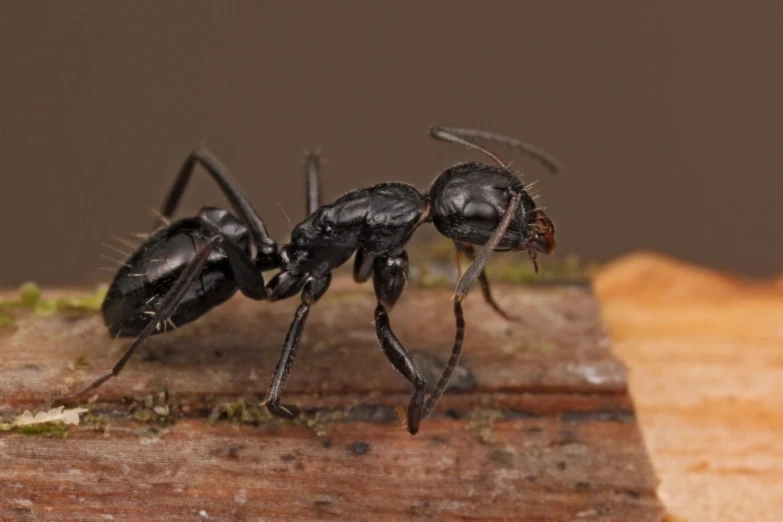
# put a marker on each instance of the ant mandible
(187, 267)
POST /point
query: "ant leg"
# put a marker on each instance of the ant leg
(362, 266)
(389, 277)
(166, 308)
(313, 173)
(248, 277)
(470, 275)
(314, 288)
(230, 189)
(468, 250)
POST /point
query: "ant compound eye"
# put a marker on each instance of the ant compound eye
(481, 215)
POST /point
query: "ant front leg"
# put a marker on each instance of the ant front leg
(389, 276)
(468, 250)
(281, 286)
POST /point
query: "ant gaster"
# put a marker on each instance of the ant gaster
(187, 267)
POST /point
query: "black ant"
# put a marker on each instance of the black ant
(187, 267)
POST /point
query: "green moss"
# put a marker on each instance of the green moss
(45, 308)
(80, 363)
(97, 422)
(512, 272)
(54, 430)
(30, 294)
(242, 412)
(516, 269)
(6, 320)
(31, 298)
(93, 418)
(435, 261)
(154, 409)
(144, 415)
(90, 303)
(237, 411)
(508, 268)
(313, 423)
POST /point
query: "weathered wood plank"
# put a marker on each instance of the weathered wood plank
(539, 425)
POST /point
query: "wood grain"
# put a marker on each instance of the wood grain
(538, 424)
(705, 352)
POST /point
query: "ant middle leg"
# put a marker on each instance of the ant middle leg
(389, 278)
(282, 286)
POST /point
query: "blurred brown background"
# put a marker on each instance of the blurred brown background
(666, 117)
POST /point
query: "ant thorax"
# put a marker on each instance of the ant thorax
(377, 220)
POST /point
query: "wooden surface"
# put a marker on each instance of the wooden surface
(705, 352)
(538, 424)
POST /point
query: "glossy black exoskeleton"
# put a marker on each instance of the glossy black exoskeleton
(189, 266)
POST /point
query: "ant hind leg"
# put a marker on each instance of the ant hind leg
(166, 308)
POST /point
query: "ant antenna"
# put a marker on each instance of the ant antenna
(449, 135)
(461, 136)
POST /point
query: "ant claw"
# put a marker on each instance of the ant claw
(286, 411)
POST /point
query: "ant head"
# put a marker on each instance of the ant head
(468, 202)
(542, 233)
